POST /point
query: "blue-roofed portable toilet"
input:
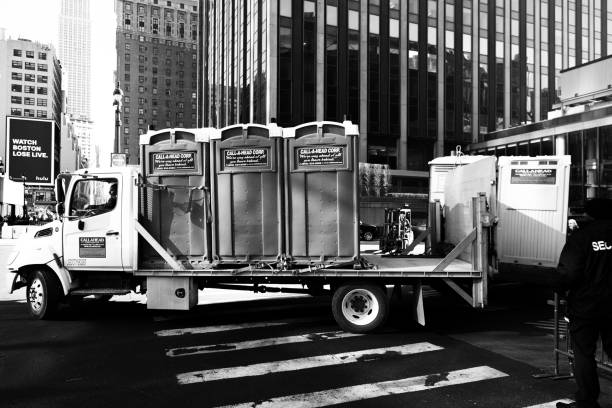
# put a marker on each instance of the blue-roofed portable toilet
(174, 196)
(247, 194)
(322, 192)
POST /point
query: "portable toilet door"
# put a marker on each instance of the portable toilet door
(322, 192)
(532, 209)
(173, 201)
(247, 194)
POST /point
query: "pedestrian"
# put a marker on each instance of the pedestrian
(585, 272)
(572, 226)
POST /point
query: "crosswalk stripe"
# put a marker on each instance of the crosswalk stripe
(379, 389)
(551, 404)
(303, 363)
(275, 341)
(228, 327)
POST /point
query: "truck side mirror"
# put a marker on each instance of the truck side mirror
(81, 225)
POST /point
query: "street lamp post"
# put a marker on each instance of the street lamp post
(117, 96)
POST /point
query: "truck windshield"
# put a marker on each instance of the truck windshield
(93, 197)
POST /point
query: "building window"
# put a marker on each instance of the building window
(15, 111)
(30, 65)
(29, 89)
(16, 64)
(29, 54)
(141, 101)
(41, 90)
(140, 111)
(141, 79)
(16, 99)
(30, 77)
(28, 113)
(16, 76)
(42, 67)
(16, 88)
(127, 46)
(41, 102)
(28, 101)
(181, 31)
(126, 130)
(41, 114)
(42, 55)
(128, 21)
(155, 25)
(141, 24)
(17, 53)
(126, 109)
(43, 79)
(127, 77)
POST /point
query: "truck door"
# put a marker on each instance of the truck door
(92, 230)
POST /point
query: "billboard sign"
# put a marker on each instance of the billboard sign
(29, 150)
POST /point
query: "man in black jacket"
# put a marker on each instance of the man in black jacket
(585, 271)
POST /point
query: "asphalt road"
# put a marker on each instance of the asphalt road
(281, 352)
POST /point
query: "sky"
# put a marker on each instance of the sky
(37, 20)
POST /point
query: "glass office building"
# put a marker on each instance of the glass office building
(418, 76)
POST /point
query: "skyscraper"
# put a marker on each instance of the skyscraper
(418, 76)
(157, 60)
(75, 54)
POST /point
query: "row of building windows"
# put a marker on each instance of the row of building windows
(141, 8)
(18, 100)
(29, 113)
(169, 30)
(28, 65)
(29, 89)
(18, 76)
(29, 54)
(155, 40)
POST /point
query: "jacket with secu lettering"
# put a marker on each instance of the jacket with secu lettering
(585, 270)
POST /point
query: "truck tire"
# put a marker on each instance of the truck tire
(43, 295)
(368, 236)
(360, 307)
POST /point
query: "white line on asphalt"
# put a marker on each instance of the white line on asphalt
(303, 363)
(275, 341)
(228, 327)
(379, 389)
(551, 404)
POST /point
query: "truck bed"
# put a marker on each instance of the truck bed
(374, 266)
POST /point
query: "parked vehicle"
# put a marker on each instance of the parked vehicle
(240, 208)
(367, 232)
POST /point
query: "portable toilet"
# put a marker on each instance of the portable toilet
(247, 204)
(174, 195)
(322, 192)
(532, 208)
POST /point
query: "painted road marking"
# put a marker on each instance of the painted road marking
(244, 345)
(228, 327)
(303, 363)
(551, 404)
(379, 389)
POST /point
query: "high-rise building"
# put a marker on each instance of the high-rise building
(30, 88)
(157, 67)
(418, 76)
(74, 51)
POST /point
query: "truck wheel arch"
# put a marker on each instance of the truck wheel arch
(27, 273)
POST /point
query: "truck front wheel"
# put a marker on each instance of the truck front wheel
(360, 307)
(43, 294)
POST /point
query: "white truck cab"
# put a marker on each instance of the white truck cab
(94, 237)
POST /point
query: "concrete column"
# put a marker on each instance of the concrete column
(537, 61)
(402, 154)
(560, 145)
(272, 61)
(507, 62)
(439, 150)
(320, 75)
(363, 82)
(566, 34)
(592, 30)
(475, 70)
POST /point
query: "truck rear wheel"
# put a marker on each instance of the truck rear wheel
(360, 307)
(43, 295)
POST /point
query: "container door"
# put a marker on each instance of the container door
(93, 234)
